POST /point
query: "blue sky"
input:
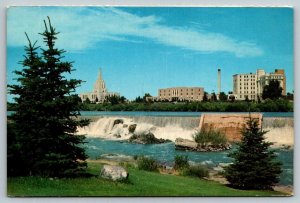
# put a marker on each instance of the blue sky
(142, 49)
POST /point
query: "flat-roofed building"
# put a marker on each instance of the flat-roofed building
(244, 86)
(264, 79)
(179, 94)
(251, 85)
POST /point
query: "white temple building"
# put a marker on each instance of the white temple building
(100, 92)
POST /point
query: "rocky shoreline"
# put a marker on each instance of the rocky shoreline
(189, 145)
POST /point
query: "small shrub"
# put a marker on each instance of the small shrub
(210, 136)
(135, 157)
(126, 165)
(147, 164)
(181, 162)
(196, 171)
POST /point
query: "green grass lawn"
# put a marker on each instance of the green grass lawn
(141, 183)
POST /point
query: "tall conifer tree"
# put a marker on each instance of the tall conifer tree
(41, 134)
(255, 165)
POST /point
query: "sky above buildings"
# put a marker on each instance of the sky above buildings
(142, 49)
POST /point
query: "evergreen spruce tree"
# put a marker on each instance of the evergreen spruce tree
(41, 132)
(255, 165)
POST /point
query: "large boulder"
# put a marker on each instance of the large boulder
(118, 121)
(189, 145)
(185, 144)
(115, 173)
(146, 138)
(132, 128)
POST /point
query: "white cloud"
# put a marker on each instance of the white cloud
(83, 27)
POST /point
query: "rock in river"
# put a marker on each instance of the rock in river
(146, 138)
(189, 145)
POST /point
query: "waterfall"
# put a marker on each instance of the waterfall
(117, 128)
(280, 130)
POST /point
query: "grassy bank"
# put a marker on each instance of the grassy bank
(141, 183)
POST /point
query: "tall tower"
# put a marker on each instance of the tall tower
(219, 81)
(99, 86)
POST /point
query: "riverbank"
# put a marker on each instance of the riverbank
(140, 183)
(279, 105)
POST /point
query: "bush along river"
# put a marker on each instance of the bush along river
(107, 136)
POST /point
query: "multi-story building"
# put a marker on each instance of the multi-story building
(264, 79)
(251, 85)
(99, 93)
(179, 94)
(244, 86)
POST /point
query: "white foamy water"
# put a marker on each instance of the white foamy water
(281, 131)
(280, 136)
(105, 128)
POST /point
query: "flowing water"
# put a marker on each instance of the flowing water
(166, 152)
(106, 136)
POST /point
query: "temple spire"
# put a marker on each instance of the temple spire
(100, 74)
(99, 86)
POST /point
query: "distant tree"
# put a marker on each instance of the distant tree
(213, 97)
(138, 99)
(222, 96)
(247, 98)
(290, 96)
(258, 98)
(272, 90)
(174, 99)
(255, 165)
(205, 98)
(232, 98)
(230, 92)
(96, 100)
(145, 97)
(87, 101)
(113, 99)
(41, 132)
(122, 99)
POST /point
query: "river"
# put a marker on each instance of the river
(171, 125)
(101, 140)
(95, 147)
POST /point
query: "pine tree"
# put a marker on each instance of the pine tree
(255, 165)
(41, 132)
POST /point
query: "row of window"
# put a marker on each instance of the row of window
(247, 87)
(246, 92)
(188, 97)
(163, 94)
(191, 90)
(245, 80)
(246, 76)
(249, 96)
(252, 83)
(274, 77)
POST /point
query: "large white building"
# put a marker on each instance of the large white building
(99, 93)
(251, 85)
